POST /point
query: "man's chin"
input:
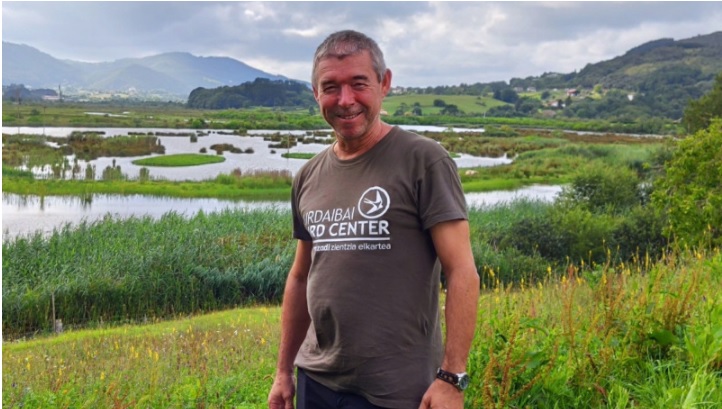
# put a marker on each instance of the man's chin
(346, 131)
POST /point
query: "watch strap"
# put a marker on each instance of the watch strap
(449, 377)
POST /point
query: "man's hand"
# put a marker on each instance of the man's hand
(442, 395)
(282, 392)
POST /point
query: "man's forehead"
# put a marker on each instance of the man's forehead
(344, 55)
(359, 65)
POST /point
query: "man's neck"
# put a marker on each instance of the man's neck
(346, 150)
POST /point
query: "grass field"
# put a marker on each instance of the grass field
(469, 104)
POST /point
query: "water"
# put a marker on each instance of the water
(262, 158)
(22, 215)
(25, 215)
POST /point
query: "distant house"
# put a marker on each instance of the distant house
(572, 92)
(531, 89)
(630, 97)
(555, 104)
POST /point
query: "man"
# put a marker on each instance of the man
(377, 215)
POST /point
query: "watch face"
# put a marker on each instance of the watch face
(463, 381)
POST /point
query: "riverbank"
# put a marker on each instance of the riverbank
(29, 214)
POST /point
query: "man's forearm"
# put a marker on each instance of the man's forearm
(294, 323)
(462, 300)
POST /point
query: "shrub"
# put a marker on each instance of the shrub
(587, 233)
(690, 191)
(601, 188)
(640, 233)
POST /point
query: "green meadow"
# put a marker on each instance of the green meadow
(469, 104)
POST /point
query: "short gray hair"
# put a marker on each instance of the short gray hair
(348, 42)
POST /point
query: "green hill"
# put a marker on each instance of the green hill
(654, 80)
(468, 104)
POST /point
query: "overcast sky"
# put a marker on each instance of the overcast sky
(425, 43)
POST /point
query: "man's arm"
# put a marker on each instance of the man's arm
(453, 247)
(294, 325)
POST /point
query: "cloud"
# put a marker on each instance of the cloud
(425, 43)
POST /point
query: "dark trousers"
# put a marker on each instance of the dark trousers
(312, 395)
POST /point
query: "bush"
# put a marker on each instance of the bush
(537, 235)
(640, 233)
(601, 188)
(587, 233)
(690, 191)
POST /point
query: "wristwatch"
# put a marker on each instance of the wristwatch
(460, 380)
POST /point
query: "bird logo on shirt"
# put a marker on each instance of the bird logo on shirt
(374, 203)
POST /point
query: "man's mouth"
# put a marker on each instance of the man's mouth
(347, 116)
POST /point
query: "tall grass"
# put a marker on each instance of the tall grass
(612, 338)
(219, 360)
(115, 270)
(606, 338)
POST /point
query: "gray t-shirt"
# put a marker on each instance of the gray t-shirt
(374, 281)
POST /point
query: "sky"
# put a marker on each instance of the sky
(424, 43)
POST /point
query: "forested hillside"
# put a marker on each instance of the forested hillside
(655, 79)
(260, 92)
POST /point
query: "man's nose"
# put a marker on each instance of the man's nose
(347, 97)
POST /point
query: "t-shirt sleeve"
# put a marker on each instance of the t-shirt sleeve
(440, 196)
(299, 229)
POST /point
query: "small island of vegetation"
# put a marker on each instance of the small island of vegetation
(181, 159)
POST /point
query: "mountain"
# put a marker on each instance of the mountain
(691, 60)
(172, 74)
(700, 56)
(23, 64)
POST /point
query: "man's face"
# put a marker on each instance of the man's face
(349, 94)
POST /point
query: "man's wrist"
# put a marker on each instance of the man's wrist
(285, 373)
(460, 380)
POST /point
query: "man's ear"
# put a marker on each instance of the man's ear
(386, 82)
(315, 93)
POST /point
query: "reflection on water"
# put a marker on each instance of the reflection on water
(263, 157)
(22, 215)
(536, 192)
(27, 214)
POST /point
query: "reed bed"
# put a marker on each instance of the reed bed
(127, 270)
(119, 270)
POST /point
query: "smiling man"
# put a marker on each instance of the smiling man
(377, 217)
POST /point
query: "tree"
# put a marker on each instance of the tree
(416, 110)
(506, 95)
(699, 113)
(451, 109)
(401, 110)
(690, 191)
(527, 105)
